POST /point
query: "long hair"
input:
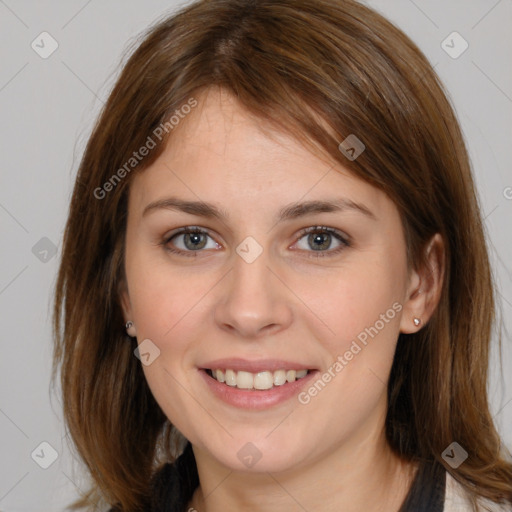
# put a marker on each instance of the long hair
(319, 70)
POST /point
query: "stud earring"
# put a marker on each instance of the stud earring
(130, 329)
(417, 322)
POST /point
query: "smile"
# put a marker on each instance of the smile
(262, 380)
(255, 384)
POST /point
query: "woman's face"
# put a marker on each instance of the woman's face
(293, 264)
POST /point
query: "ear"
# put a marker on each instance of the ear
(425, 285)
(124, 299)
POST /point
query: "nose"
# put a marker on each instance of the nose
(254, 301)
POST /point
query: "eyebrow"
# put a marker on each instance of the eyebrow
(289, 212)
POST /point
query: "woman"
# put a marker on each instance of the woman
(274, 269)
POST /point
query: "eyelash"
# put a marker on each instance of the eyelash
(345, 241)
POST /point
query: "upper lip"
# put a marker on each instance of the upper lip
(261, 365)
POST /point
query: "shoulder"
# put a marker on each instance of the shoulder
(456, 499)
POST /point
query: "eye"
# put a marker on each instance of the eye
(190, 239)
(320, 239)
(317, 240)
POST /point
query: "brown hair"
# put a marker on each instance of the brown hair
(321, 70)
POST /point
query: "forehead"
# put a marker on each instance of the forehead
(220, 152)
(221, 128)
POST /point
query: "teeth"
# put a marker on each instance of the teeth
(244, 380)
(290, 375)
(230, 378)
(261, 380)
(279, 377)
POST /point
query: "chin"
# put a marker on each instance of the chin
(248, 454)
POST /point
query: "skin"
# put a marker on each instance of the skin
(288, 304)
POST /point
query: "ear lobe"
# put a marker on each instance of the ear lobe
(425, 288)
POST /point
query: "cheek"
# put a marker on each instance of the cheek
(361, 307)
(167, 306)
(163, 296)
(355, 301)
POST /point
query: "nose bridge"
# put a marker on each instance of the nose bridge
(254, 300)
(252, 278)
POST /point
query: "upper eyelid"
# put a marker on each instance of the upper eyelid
(325, 229)
(188, 229)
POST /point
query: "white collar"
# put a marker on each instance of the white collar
(456, 499)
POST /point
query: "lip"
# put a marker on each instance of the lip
(256, 399)
(238, 364)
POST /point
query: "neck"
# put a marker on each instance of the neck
(363, 475)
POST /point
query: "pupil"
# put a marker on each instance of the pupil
(194, 241)
(319, 241)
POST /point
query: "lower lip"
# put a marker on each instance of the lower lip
(256, 399)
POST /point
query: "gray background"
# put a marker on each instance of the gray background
(47, 107)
